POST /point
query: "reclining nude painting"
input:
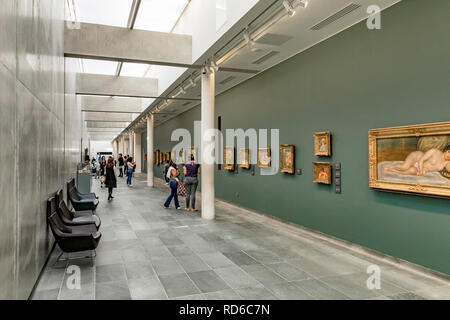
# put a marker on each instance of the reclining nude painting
(412, 159)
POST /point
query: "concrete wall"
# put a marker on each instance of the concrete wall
(354, 81)
(32, 136)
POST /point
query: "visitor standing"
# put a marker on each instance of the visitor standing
(121, 164)
(110, 179)
(191, 171)
(172, 174)
(130, 169)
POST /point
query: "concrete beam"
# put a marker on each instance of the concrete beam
(111, 85)
(108, 104)
(107, 130)
(108, 117)
(101, 124)
(96, 41)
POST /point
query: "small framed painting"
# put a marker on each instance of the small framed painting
(287, 154)
(157, 158)
(167, 156)
(161, 157)
(322, 144)
(192, 151)
(181, 157)
(244, 158)
(264, 158)
(229, 158)
(322, 172)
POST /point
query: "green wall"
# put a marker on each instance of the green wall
(355, 81)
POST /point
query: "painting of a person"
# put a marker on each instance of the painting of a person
(418, 163)
(323, 145)
(323, 175)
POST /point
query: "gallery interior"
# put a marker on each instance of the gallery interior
(321, 128)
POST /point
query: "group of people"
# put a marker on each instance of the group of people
(191, 171)
(104, 170)
(127, 166)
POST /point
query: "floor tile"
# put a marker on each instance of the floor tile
(288, 291)
(208, 281)
(139, 270)
(192, 263)
(166, 266)
(288, 271)
(178, 285)
(240, 258)
(235, 277)
(109, 273)
(117, 290)
(216, 260)
(320, 290)
(256, 293)
(146, 289)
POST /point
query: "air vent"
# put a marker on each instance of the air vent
(266, 57)
(273, 39)
(334, 17)
(186, 103)
(227, 80)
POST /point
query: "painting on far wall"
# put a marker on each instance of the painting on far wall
(229, 158)
(322, 144)
(264, 158)
(411, 159)
(181, 157)
(244, 158)
(287, 154)
(322, 172)
(192, 151)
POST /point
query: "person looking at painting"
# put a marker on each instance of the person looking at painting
(191, 171)
(172, 174)
(418, 163)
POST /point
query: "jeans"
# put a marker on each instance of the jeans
(191, 184)
(173, 194)
(129, 176)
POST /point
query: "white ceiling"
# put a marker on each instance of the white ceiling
(284, 39)
(288, 37)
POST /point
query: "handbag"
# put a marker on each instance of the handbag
(181, 189)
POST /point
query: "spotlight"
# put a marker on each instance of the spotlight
(303, 3)
(287, 5)
(214, 65)
(192, 82)
(249, 41)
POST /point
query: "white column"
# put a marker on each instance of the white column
(137, 151)
(207, 169)
(130, 144)
(150, 155)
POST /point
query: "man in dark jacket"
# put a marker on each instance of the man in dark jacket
(121, 164)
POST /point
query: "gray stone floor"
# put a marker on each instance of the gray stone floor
(148, 252)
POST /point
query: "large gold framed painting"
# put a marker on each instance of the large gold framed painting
(411, 159)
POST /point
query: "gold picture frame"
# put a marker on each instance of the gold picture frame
(322, 172)
(322, 144)
(155, 158)
(264, 160)
(228, 155)
(192, 151)
(181, 157)
(168, 156)
(287, 158)
(161, 157)
(244, 158)
(396, 154)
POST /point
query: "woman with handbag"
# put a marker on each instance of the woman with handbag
(172, 174)
(130, 170)
(110, 178)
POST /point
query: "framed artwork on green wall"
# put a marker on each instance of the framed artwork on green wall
(229, 158)
(244, 158)
(322, 172)
(287, 157)
(322, 144)
(264, 158)
(411, 159)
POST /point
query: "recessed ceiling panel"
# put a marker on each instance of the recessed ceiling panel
(108, 12)
(159, 15)
(99, 66)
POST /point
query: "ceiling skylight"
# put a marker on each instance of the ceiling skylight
(134, 69)
(99, 66)
(108, 12)
(159, 15)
